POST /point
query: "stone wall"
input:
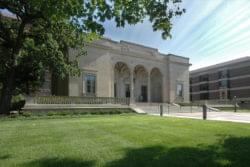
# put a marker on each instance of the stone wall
(103, 55)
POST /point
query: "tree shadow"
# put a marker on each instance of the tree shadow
(6, 156)
(232, 151)
(228, 151)
(237, 150)
(158, 156)
(62, 162)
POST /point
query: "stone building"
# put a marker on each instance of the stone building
(222, 81)
(124, 69)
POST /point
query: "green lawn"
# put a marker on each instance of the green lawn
(123, 141)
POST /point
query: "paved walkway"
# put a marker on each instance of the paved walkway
(220, 116)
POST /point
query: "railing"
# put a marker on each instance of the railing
(78, 100)
(213, 102)
(223, 101)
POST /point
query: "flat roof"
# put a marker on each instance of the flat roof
(143, 46)
(220, 65)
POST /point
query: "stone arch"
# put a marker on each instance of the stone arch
(121, 80)
(156, 89)
(140, 83)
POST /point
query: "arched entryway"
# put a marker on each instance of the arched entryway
(121, 80)
(140, 84)
(156, 85)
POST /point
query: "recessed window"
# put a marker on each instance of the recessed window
(127, 89)
(204, 96)
(223, 74)
(223, 84)
(90, 84)
(115, 87)
(204, 87)
(203, 78)
(179, 90)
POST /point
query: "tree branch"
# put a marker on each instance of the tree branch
(4, 32)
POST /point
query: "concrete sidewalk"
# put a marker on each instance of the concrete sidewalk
(219, 116)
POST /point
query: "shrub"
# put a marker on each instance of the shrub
(84, 113)
(112, 112)
(94, 112)
(26, 114)
(17, 102)
(74, 112)
(102, 112)
(50, 113)
(64, 113)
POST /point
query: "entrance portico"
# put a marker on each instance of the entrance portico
(137, 83)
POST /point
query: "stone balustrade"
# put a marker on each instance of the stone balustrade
(78, 100)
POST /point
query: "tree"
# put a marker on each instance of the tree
(38, 34)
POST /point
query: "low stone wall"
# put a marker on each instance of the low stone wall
(75, 100)
(75, 111)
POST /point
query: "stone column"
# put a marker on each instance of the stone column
(132, 85)
(149, 88)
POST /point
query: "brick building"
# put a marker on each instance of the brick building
(222, 81)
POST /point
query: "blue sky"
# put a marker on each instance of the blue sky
(210, 32)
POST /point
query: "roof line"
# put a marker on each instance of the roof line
(223, 64)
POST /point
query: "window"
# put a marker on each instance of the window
(223, 74)
(223, 84)
(90, 84)
(190, 80)
(115, 93)
(204, 96)
(204, 87)
(179, 90)
(223, 94)
(203, 78)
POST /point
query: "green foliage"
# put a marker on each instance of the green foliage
(37, 38)
(17, 102)
(51, 113)
(27, 114)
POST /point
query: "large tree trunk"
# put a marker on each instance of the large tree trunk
(9, 84)
(5, 103)
(6, 95)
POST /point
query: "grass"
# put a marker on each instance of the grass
(125, 140)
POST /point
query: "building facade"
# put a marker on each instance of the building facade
(223, 81)
(124, 69)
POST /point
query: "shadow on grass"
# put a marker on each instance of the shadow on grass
(6, 156)
(237, 150)
(57, 162)
(233, 152)
(160, 156)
